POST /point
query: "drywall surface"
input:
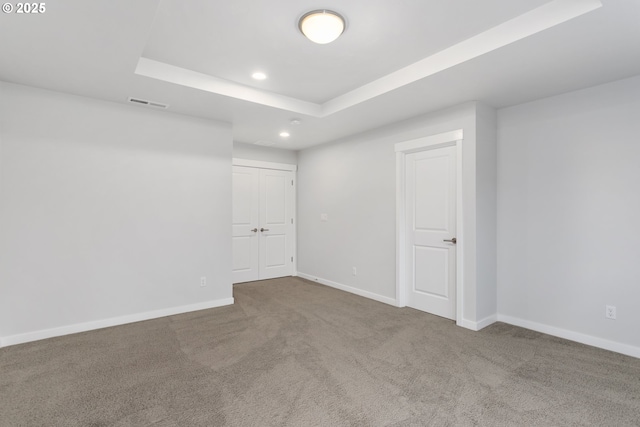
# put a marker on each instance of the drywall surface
(264, 154)
(568, 210)
(486, 211)
(353, 182)
(108, 210)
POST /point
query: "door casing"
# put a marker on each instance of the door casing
(453, 138)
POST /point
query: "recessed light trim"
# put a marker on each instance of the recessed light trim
(258, 75)
(322, 26)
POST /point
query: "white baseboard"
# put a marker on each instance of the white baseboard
(106, 323)
(476, 326)
(350, 289)
(617, 347)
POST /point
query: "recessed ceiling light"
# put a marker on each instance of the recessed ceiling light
(321, 26)
(284, 134)
(259, 76)
(295, 121)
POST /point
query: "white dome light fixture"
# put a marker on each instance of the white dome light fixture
(321, 26)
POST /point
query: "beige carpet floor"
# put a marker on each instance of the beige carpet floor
(294, 353)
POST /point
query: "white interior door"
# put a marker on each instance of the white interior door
(276, 214)
(245, 216)
(262, 224)
(431, 226)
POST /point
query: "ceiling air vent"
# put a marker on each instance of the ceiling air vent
(265, 143)
(148, 103)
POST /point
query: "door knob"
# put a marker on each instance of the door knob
(454, 240)
(264, 229)
(255, 230)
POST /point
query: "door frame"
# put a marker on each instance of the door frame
(258, 164)
(447, 139)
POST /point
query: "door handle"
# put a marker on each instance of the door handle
(264, 229)
(454, 240)
(255, 230)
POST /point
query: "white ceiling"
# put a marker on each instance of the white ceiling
(394, 61)
(231, 42)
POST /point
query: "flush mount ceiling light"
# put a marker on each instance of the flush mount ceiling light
(321, 26)
(259, 76)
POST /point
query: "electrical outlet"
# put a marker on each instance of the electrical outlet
(610, 312)
(354, 271)
(203, 281)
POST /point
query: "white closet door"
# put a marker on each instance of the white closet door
(276, 228)
(262, 224)
(431, 222)
(246, 234)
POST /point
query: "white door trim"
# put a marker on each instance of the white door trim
(283, 167)
(453, 138)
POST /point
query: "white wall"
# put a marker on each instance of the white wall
(353, 181)
(486, 211)
(106, 211)
(264, 154)
(568, 214)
